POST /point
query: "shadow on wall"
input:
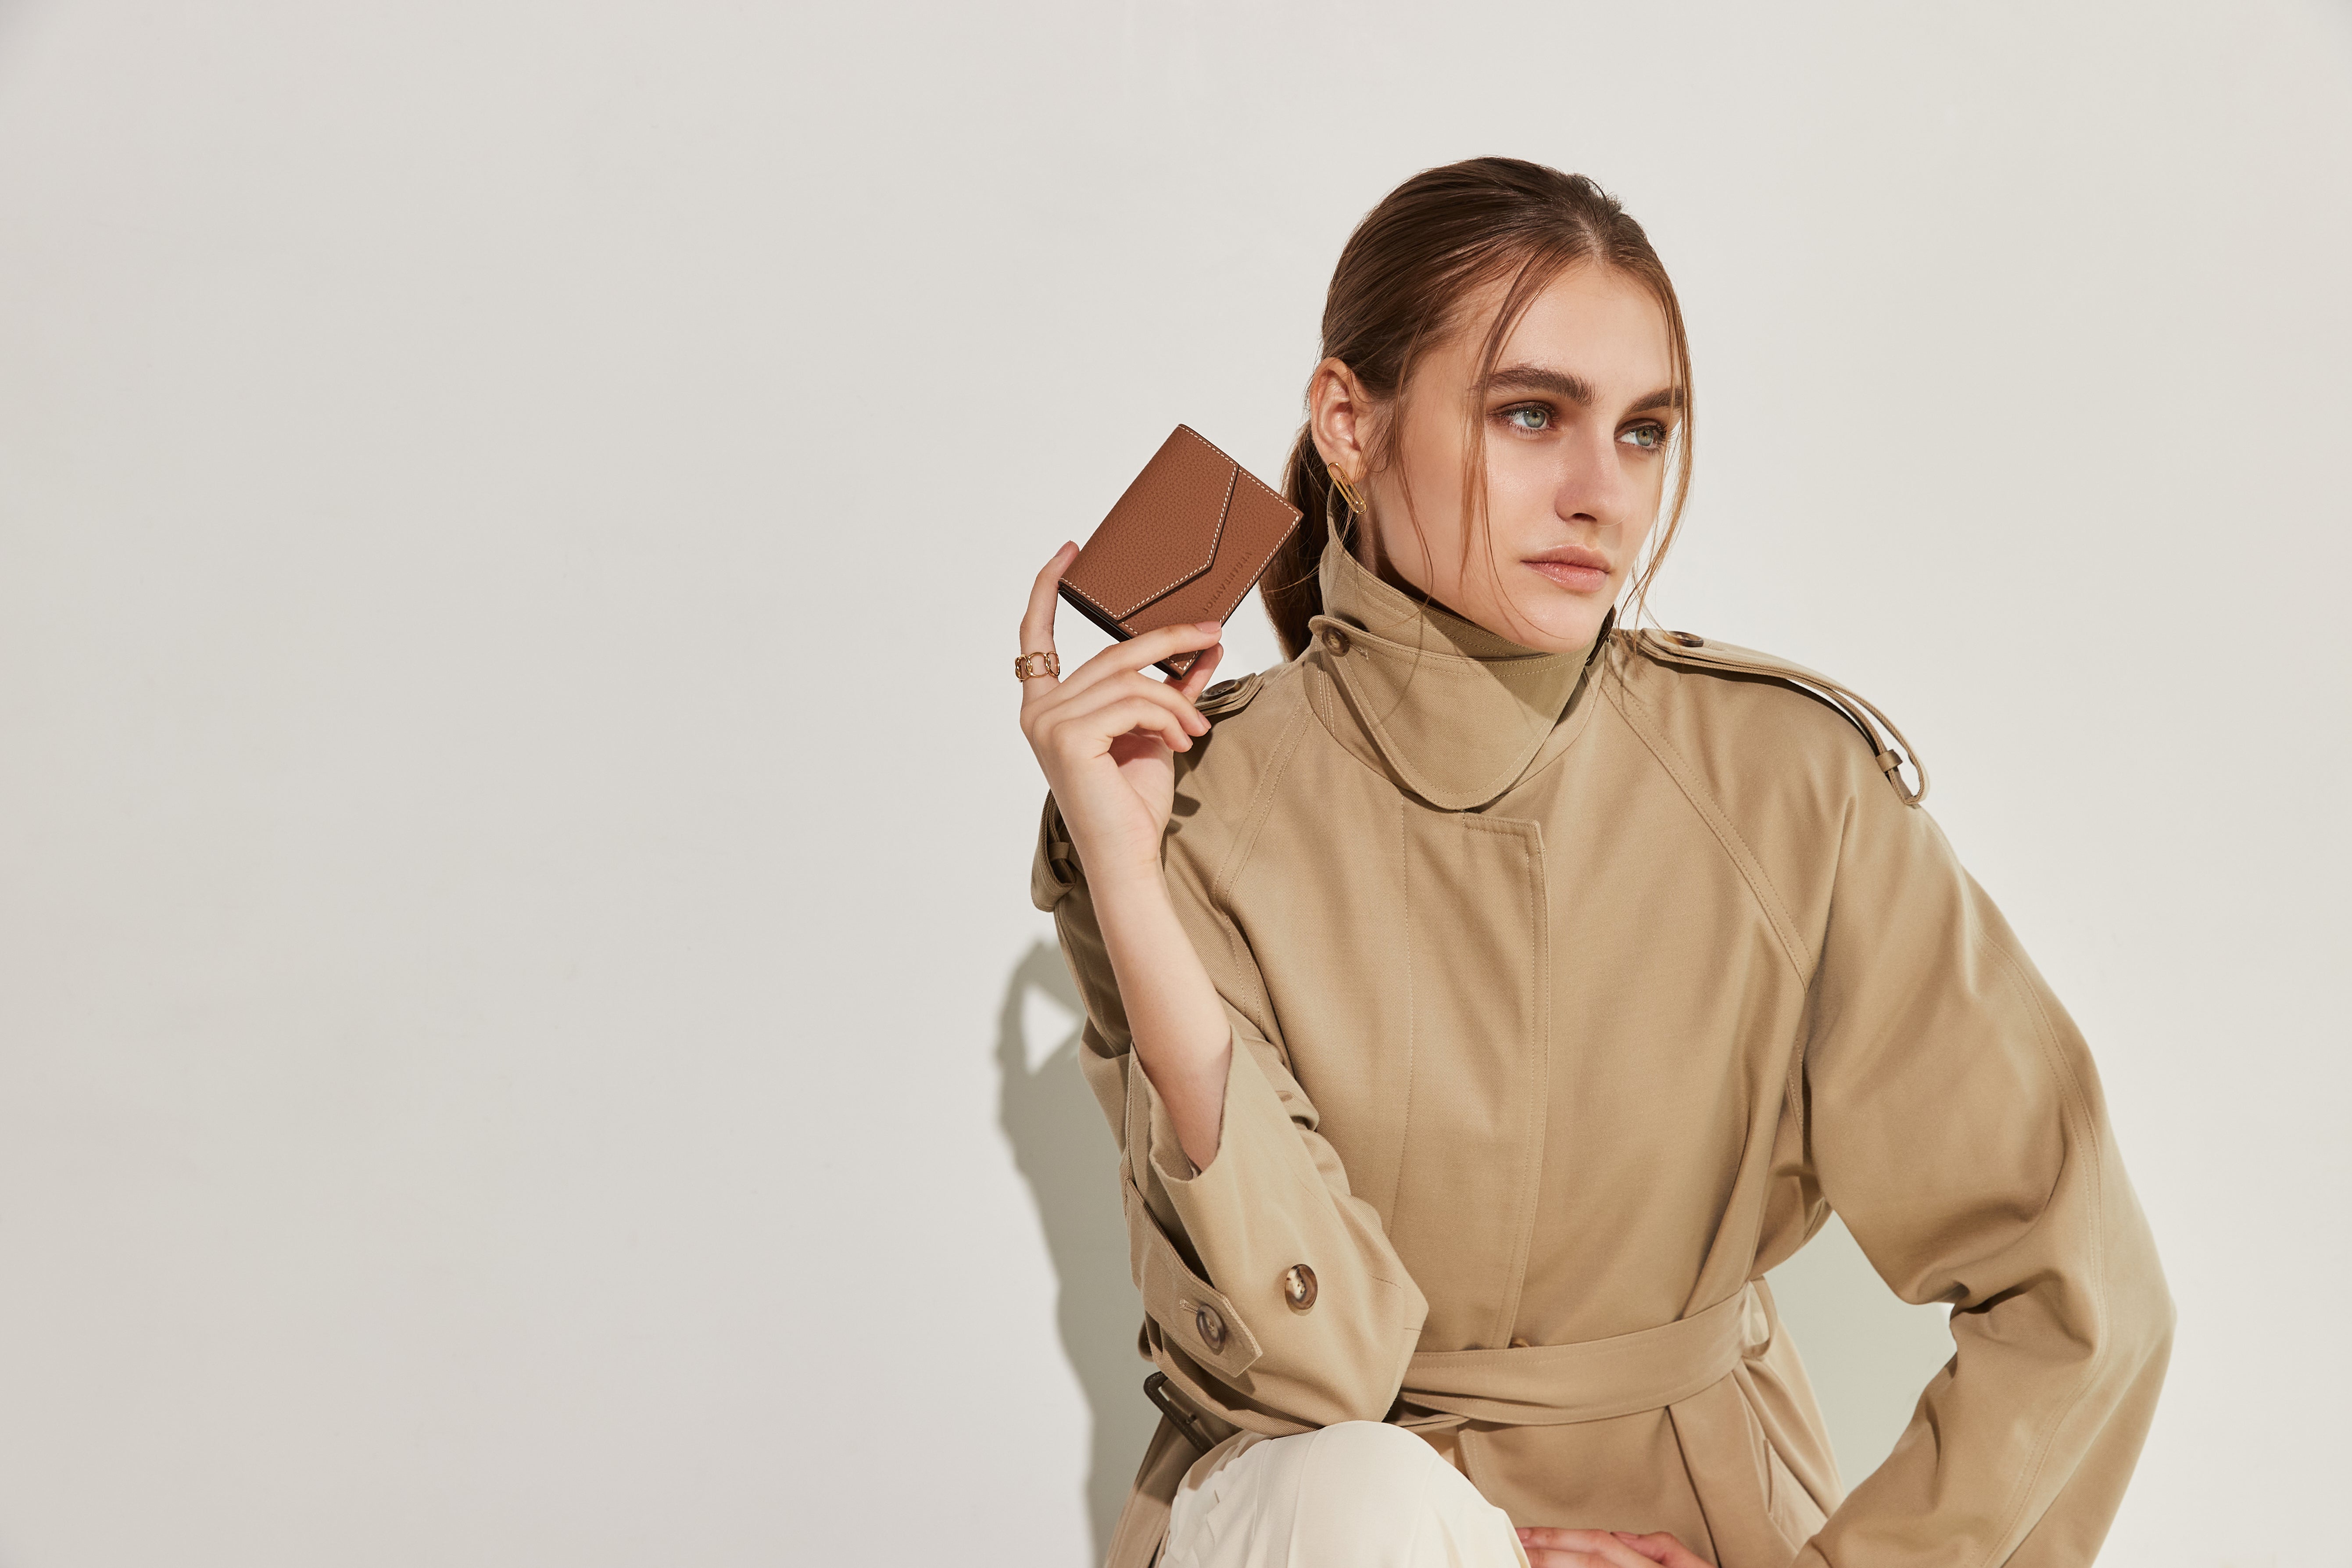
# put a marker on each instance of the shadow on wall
(1066, 1153)
(1868, 1353)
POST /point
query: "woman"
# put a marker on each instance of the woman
(1486, 998)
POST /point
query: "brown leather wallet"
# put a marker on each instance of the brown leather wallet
(1188, 538)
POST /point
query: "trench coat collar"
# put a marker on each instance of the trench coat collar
(1452, 712)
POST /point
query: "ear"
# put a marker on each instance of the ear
(1339, 413)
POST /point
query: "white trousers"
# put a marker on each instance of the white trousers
(1359, 1495)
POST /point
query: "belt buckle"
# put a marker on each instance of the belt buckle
(1156, 1389)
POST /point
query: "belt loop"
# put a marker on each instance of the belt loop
(1755, 1323)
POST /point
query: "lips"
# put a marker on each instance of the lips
(1572, 567)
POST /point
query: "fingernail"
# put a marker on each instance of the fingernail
(1212, 625)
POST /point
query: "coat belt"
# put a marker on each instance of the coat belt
(1525, 1386)
(1556, 1385)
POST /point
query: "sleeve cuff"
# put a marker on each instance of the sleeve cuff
(1259, 1153)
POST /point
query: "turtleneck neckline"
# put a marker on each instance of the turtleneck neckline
(1454, 712)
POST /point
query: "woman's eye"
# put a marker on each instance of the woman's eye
(1531, 418)
(1648, 438)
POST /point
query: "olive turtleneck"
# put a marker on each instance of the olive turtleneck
(1452, 712)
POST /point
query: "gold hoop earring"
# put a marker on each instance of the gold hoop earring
(1348, 492)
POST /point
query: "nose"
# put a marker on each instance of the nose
(1593, 485)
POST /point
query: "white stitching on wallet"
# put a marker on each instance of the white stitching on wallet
(1216, 537)
(1244, 472)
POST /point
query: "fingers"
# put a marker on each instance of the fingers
(1548, 1548)
(1139, 652)
(1138, 716)
(1134, 684)
(1196, 680)
(1080, 719)
(1038, 620)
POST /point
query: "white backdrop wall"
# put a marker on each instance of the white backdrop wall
(521, 1035)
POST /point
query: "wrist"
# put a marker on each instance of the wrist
(1125, 881)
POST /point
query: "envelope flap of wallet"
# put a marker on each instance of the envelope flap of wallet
(1165, 529)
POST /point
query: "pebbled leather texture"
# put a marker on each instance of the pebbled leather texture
(1186, 543)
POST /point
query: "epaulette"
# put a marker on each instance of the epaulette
(1229, 696)
(1890, 752)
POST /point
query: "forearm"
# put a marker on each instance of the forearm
(1179, 1035)
(1265, 1192)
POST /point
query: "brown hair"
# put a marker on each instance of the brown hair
(1399, 289)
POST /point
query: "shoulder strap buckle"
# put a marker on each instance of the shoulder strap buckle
(1229, 696)
(1890, 750)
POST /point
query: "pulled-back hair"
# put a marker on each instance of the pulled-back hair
(1403, 282)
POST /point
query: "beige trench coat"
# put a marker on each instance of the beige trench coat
(1569, 993)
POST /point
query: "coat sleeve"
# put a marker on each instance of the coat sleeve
(1956, 1122)
(1213, 1250)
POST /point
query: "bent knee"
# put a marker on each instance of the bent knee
(1377, 1496)
(1383, 1479)
(1374, 1449)
(1356, 1494)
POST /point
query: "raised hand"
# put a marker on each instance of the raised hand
(1106, 733)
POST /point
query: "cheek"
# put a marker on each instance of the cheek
(1430, 460)
(1523, 484)
(1654, 473)
(1650, 487)
(1644, 475)
(1520, 476)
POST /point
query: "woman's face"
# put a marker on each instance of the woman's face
(1576, 414)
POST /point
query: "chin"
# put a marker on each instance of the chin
(1557, 627)
(1575, 641)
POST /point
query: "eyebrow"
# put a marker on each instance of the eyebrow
(1575, 388)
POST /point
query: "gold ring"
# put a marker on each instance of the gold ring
(1048, 664)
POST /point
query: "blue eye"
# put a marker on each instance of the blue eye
(1529, 416)
(1648, 438)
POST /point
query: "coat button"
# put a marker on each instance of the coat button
(1299, 1287)
(1688, 639)
(1334, 639)
(1211, 1328)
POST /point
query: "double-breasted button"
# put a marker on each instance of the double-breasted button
(1210, 1326)
(1334, 639)
(1299, 1287)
